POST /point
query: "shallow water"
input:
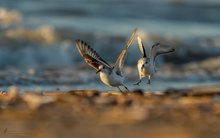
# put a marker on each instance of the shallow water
(153, 87)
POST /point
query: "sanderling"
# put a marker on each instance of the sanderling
(109, 75)
(146, 64)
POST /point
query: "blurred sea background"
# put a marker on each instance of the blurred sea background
(37, 49)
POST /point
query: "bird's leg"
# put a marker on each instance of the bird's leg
(149, 79)
(120, 89)
(126, 88)
(138, 82)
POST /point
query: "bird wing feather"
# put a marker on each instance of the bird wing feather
(158, 49)
(91, 57)
(120, 60)
(141, 47)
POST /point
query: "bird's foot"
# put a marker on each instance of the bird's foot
(120, 90)
(126, 88)
(138, 83)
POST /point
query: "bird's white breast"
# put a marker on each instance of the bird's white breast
(111, 79)
(143, 72)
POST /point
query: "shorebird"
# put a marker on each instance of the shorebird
(146, 64)
(109, 75)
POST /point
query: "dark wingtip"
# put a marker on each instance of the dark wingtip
(77, 40)
(173, 50)
(80, 41)
(157, 43)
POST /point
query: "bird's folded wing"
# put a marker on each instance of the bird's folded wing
(120, 60)
(141, 47)
(90, 55)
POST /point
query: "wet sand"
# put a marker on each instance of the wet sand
(186, 113)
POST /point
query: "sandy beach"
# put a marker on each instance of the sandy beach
(189, 113)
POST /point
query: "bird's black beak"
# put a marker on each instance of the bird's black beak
(172, 50)
(142, 67)
(98, 71)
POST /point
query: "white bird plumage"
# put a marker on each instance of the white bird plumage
(146, 64)
(109, 75)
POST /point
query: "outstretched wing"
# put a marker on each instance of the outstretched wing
(141, 47)
(120, 60)
(90, 55)
(158, 49)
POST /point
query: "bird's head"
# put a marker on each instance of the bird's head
(143, 62)
(101, 68)
(146, 62)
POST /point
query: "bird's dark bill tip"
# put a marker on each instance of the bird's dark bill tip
(98, 71)
(77, 40)
(172, 50)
